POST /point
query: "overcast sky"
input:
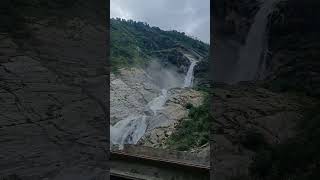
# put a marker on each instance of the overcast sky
(189, 16)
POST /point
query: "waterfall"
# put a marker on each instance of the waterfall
(128, 131)
(132, 128)
(158, 102)
(189, 76)
(251, 53)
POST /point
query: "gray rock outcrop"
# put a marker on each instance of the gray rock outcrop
(130, 92)
(161, 126)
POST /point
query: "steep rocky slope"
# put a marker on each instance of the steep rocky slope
(130, 91)
(148, 95)
(248, 118)
(267, 129)
(136, 93)
(135, 44)
(53, 74)
(174, 111)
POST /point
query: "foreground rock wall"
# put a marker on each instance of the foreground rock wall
(53, 92)
(293, 62)
(248, 118)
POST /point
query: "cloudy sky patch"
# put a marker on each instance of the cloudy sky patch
(189, 16)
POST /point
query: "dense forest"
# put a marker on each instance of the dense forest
(134, 43)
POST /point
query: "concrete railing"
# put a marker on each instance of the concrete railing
(179, 156)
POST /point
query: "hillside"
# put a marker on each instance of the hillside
(267, 129)
(135, 43)
(151, 69)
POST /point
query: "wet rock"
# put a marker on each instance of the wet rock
(177, 58)
(163, 124)
(129, 95)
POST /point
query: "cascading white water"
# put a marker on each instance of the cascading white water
(158, 102)
(189, 76)
(250, 54)
(128, 131)
(131, 129)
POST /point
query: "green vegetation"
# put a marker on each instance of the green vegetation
(135, 43)
(194, 131)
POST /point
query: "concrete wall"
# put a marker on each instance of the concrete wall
(181, 156)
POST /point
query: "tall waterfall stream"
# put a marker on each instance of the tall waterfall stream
(132, 128)
(250, 62)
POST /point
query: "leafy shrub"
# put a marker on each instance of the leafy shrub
(189, 106)
(134, 43)
(194, 131)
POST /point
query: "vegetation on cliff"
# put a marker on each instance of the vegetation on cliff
(134, 43)
(193, 131)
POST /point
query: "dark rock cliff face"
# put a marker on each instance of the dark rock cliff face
(175, 57)
(232, 20)
(53, 89)
(254, 117)
(293, 43)
(294, 62)
(202, 73)
(248, 118)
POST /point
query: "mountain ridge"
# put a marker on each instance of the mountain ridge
(134, 43)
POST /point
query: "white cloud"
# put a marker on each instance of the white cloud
(189, 16)
(117, 11)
